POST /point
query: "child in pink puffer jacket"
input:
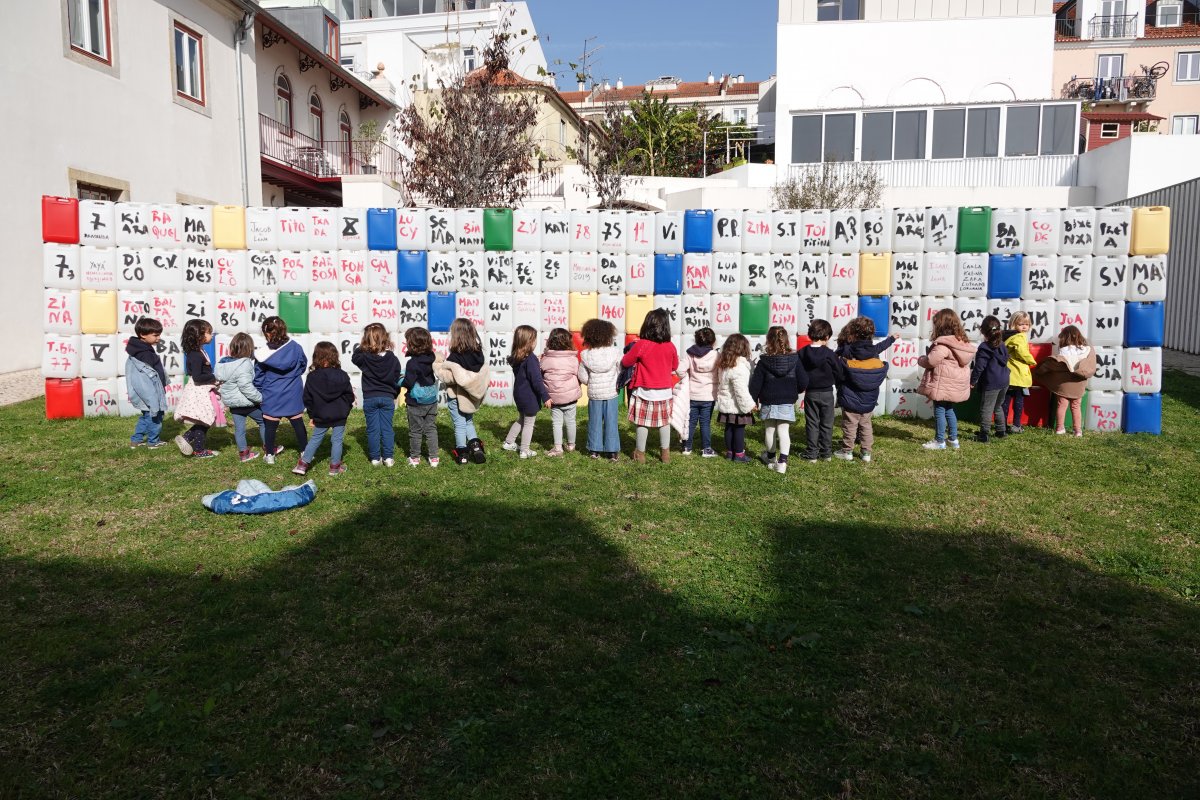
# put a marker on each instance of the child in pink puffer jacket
(947, 378)
(560, 371)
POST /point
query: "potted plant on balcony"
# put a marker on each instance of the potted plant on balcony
(366, 146)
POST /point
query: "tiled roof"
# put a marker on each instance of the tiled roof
(1058, 5)
(574, 97)
(504, 77)
(692, 89)
(1119, 116)
(1188, 30)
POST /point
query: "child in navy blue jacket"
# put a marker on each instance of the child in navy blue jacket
(529, 390)
(421, 400)
(776, 385)
(328, 397)
(823, 368)
(990, 376)
(863, 373)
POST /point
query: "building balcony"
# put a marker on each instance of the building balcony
(1018, 171)
(325, 161)
(1121, 89)
(1123, 26)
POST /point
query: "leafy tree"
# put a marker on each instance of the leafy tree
(662, 136)
(831, 184)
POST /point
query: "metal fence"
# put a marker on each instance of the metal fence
(1183, 262)
(1010, 171)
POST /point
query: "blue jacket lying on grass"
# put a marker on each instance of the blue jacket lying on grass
(255, 497)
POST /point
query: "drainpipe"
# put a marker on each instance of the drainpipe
(239, 36)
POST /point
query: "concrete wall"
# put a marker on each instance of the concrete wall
(69, 118)
(792, 11)
(1139, 163)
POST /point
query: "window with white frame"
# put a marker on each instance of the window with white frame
(189, 64)
(1187, 66)
(1167, 14)
(316, 121)
(469, 59)
(1109, 130)
(89, 24)
(562, 131)
(834, 10)
(283, 102)
(1110, 66)
(1185, 125)
(739, 116)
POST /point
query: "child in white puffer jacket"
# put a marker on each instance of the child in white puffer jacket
(599, 366)
(236, 374)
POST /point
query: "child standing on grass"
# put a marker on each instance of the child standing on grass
(328, 397)
(464, 373)
(990, 376)
(421, 402)
(1066, 374)
(947, 378)
(701, 372)
(380, 386)
(199, 402)
(862, 373)
(236, 374)
(776, 385)
(599, 365)
(735, 406)
(146, 383)
(279, 376)
(823, 368)
(529, 390)
(560, 371)
(1020, 360)
(654, 360)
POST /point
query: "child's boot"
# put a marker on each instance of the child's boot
(475, 451)
(459, 454)
(301, 467)
(639, 456)
(666, 455)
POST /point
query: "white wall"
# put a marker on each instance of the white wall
(123, 124)
(1138, 164)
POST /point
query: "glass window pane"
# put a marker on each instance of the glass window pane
(839, 137)
(96, 22)
(910, 134)
(877, 136)
(828, 10)
(850, 9)
(948, 127)
(180, 77)
(75, 16)
(806, 139)
(1021, 131)
(983, 132)
(1058, 130)
(194, 47)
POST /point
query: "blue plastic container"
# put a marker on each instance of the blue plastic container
(411, 270)
(442, 309)
(878, 310)
(1144, 324)
(697, 231)
(381, 228)
(1142, 413)
(211, 350)
(668, 273)
(1004, 276)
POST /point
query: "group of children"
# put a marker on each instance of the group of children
(269, 386)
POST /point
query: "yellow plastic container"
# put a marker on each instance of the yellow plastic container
(875, 274)
(1151, 231)
(583, 397)
(97, 311)
(637, 306)
(229, 227)
(581, 306)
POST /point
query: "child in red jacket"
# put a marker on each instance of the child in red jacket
(655, 360)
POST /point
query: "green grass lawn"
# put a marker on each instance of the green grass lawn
(1017, 620)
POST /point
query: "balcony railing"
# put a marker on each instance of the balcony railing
(967, 172)
(1067, 28)
(326, 158)
(1123, 26)
(1166, 20)
(1121, 89)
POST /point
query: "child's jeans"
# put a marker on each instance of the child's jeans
(318, 436)
(239, 425)
(148, 426)
(700, 411)
(602, 426)
(945, 420)
(1015, 397)
(381, 438)
(464, 424)
(422, 424)
(560, 415)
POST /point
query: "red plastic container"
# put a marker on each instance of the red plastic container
(630, 338)
(802, 341)
(60, 219)
(577, 341)
(1036, 413)
(1040, 353)
(64, 398)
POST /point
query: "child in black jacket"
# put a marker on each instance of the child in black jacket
(421, 400)
(328, 397)
(824, 369)
(990, 375)
(863, 373)
(380, 386)
(776, 385)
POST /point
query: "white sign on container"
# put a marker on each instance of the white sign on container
(167, 308)
(1114, 224)
(556, 230)
(498, 268)
(1107, 323)
(323, 272)
(812, 271)
(412, 310)
(1043, 231)
(98, 268)
(668, 232)
(232, 313)
(902, 357)
(876, 230)
(262, 228)
(756, 273)
(381, 271)
(611, 308)
(197, 226)
(939, 276)
(100, 397)
(1008, 230)
(354, 311)
(640, 238)
(165, 219)
(904, 316)
(613, 231)
(231, 270)
(199, 272)
(99, 355)
(1147, 278)
(1041, 320)
(1074, 278)
(497, 310)
(60, 311)
(292, 229)
(639, 274)
(727, 230)
(1109, 369)
(345, 341)
(673, 305)
(259, 306)
(133, 272)
(556, 272)
(441, 272)
(60, 266)
(61, 356)
(293, 271)
(697, 273)
(611, 273)
(471, 273)
(758, 346)
(842, 309)
(905, 402)
(971, 310)
(784, 276)
(527, 229)
(930, 305)
(1039, 277)
(1105, 411)
(727, 273)
(323, 228)
(908, 229)
(843, 273)
(1072, 313)
(527, 309)
(131, 306)
(726, 313)
(440, 230)
(527, 271)
(168, 268)
(584, 233)
(809, 308)
(784, 312)
(1077, 231)
(323, 312)
(470, 306)
(133, 224)
(497, 348)
(756, 231)
(412, 229)
(1003, 309)
(197, 305)
(845, 226)
(500, 388)
(972, 272)
(382, 308)
(1110, 277)
(351, 224)
(585, 271)
(787, 228)
(468, 224)
(941, 230)
(97, 223)
(170, 352)
(352, 271)
(1143, 370)
(554, 311)
(906, 274)
(697, 312)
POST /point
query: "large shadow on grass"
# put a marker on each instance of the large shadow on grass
(430, 650)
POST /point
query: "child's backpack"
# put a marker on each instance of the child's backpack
(424, 395)
(625, 376)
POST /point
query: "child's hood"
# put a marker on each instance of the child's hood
(560, 359)
(136, 346)
(601, 359)
(704, 359)
(962, 351)
(781, 365)
(328, 384)
(857, 351)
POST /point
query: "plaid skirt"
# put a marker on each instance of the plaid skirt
(649, 413)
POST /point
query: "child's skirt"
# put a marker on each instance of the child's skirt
(783, 412)
(735, 419)
(649, 413)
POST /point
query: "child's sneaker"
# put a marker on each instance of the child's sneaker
(155, 445)
(554, 451)
(1078, 434)
(414, 462)
(767, 457)
(336, 469)
(614, 457)
(184, 445)
(512, 447)
(434, 461)
(953, 444)
(247, 455)
(778, 466)
(301, 467)
(866, 457)
(982, 437)
(1061, 432)
(528, 453)
(844, 455)
(269, 459)
(934, 445)
(205, 454)
(135, 445)
(458, 455)
(708, 452)
(278, 449)
(376, 462)
(570, 448)
(1017, 429)
(389, 462)
(687, 451)
(740, 458)
(475, 451)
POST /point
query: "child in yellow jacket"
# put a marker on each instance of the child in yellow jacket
(1020, 360)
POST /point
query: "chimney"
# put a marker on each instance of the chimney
(741, 79)
(711, 79)
(620, 83)
(607, 86)
(582, 86)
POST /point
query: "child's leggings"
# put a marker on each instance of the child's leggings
(1060, 412)
(735, 438)
(523, 426)
(560, 415)
(197, 436)
(785, 435)
(664, 437)
(272, 425)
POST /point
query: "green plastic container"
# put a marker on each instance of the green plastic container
(755, 316)
(974, 229)
(293, 308)
(497, 229)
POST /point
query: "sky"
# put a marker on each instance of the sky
(640, 40)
